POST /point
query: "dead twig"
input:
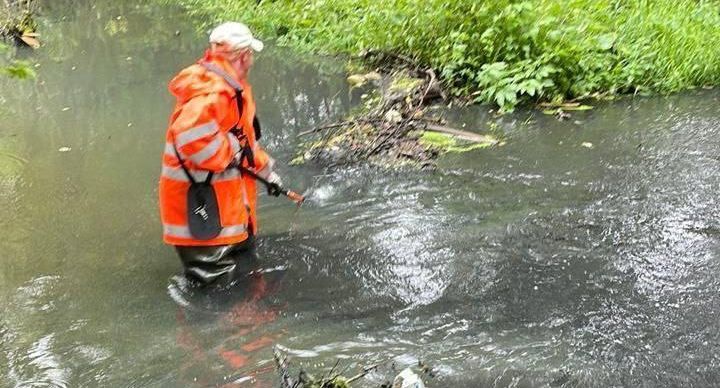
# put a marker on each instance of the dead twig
(281, 364)
(324, 127)
(338, 125)
(407, 61)
(364, 373)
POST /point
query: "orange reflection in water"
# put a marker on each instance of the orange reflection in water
(242, 331)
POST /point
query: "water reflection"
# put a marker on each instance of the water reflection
(225, 331)
(33, 358)
(409, 266)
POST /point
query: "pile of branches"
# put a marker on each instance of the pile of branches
(17, 23)
(391, 121)
(391, 124)
(388, 125)
(333, 379)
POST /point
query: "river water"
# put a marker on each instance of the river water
(583, 253)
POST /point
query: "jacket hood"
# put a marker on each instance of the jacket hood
(196, 80)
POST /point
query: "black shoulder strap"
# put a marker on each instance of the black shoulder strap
(247, 152)
(256, 126)
(187, 173)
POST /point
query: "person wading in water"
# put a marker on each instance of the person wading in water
(207, 188)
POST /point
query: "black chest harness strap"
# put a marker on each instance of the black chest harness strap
(247, 151)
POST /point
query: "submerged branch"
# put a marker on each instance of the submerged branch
(364, 373)
(305, 380)
(281, 363)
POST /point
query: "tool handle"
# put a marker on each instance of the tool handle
(293, 196)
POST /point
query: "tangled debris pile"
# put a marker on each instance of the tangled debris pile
(392, 125)
(17, 23)
(334, 379)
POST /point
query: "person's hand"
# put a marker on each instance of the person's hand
(237, 159)
(274, 186)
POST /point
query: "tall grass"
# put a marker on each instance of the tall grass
(507, 51)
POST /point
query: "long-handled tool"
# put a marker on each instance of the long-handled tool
(273, 187)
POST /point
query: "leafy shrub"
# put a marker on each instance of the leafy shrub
(508, 51)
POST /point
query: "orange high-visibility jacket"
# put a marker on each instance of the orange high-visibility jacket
(199, 128)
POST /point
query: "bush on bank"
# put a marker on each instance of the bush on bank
(507, 51)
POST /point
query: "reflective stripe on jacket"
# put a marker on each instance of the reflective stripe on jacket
(199, 129)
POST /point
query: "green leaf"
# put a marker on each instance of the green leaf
(606, 41)
(500, 99)
(20, 70)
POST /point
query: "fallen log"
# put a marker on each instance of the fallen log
(464, 135)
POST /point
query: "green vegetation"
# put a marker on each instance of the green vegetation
(507, 51)
(12, 67)
(15, 20)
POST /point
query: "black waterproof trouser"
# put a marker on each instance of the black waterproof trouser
(208, 265)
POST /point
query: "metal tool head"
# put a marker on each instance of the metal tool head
(295, 197)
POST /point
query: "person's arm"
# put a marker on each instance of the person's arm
(263, 163)
(198, 136)
(264, 168)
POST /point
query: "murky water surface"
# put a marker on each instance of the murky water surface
(583, 253)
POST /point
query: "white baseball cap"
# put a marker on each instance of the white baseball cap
(236, 35)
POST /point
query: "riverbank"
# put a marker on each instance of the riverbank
(507, 52)
(16, 20)
(18, 27)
